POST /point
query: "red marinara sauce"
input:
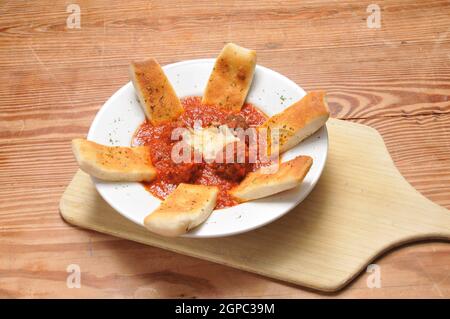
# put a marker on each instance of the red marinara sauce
(170, 174)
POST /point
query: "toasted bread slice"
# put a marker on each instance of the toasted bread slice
(114, 163)
(185, 208)
(258, 185)
(156, 94)
(231, 77)
(300, 120)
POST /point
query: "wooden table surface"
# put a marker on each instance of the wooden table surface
(54, 79)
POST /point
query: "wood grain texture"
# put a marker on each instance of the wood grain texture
(54, 79)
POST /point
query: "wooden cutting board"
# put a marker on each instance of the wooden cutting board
(361, 207)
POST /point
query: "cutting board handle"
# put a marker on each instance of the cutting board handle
(385, 188)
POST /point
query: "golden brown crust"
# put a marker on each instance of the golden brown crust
(231, 78)
(258, 184)
(156, 94)
(185, 208)
(114, 163)
(300, 120)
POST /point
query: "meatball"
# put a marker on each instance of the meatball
(236, 121)
(231, 171)
(170, 171)
(182, 172)
(229, 167)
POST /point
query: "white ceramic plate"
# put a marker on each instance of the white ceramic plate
(271, 92)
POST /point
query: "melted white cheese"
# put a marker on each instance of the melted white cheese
(209, 141)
